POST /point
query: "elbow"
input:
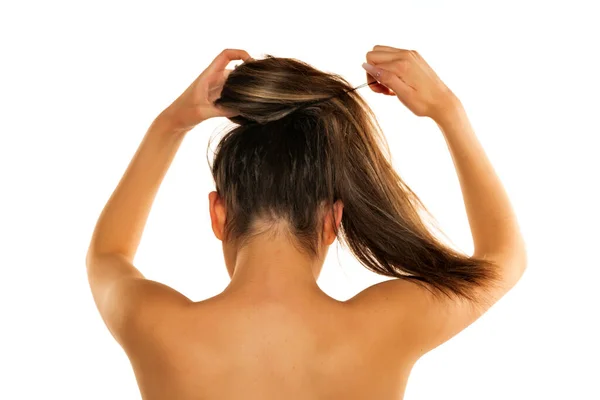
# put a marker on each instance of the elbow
(95, 250)
(511, 260)
(514, 265)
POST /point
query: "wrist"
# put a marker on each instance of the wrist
(165, 131)
(448, 111)
(167, 121)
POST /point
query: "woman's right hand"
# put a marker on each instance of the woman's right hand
(405, 73)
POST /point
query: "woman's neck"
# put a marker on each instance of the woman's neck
(274, 267)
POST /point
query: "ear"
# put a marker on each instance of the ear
(339, 211)
(328, 232)
(217, 214)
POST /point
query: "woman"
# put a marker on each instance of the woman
(303, 165)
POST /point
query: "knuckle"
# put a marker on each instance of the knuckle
(415, 54)
(401, 66)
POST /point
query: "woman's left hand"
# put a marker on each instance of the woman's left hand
(196, 103)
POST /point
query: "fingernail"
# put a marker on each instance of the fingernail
(376, 72)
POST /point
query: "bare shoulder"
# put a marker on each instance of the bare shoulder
(163, 336)
(410, 318)
(159, 313)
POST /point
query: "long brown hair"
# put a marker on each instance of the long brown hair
(304, 139)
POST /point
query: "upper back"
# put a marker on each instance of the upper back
(232, 348)
(239, 346)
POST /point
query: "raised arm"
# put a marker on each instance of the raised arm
(410, 317)
(120, 291)
(493, 223)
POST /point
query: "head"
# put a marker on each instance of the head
(306, 162)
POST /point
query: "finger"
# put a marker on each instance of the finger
(226, 56)
(377, 57)
(386, 75)
(378, 87)
(380, 56)
(386, 48)
(398, 69)
(389, 49)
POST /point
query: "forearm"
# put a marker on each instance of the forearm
(493, 223)
(122, 221)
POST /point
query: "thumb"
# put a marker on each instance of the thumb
(388, 78)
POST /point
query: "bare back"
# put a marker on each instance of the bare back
(231, 347)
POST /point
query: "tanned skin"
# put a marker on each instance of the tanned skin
(272, 333)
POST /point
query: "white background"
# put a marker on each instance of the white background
(80, 83)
